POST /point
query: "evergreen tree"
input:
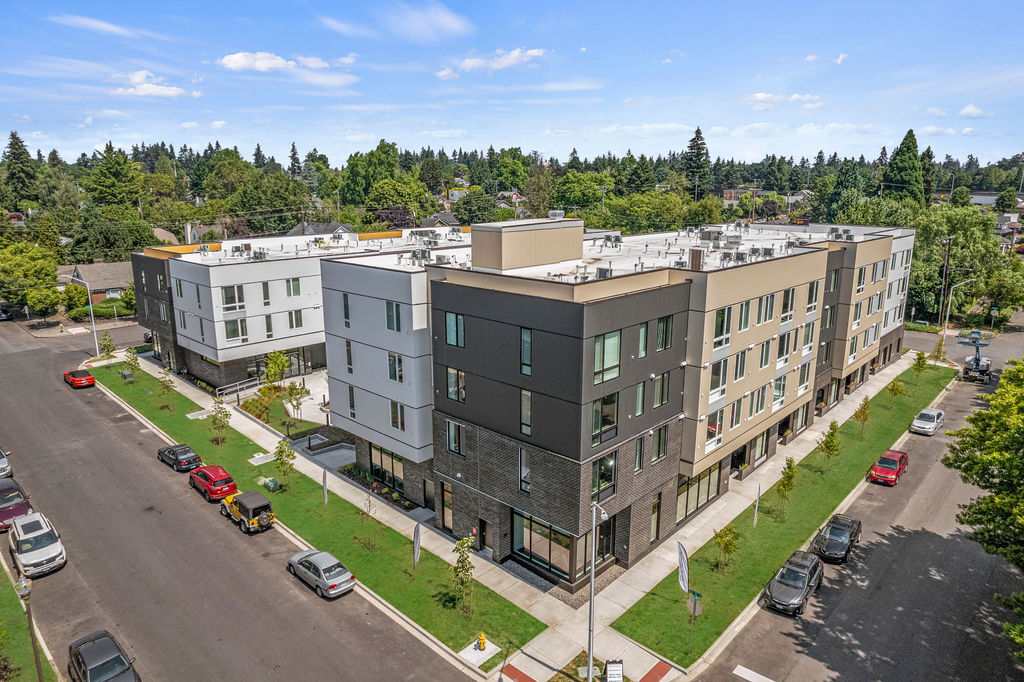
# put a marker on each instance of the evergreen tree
(116, 179)
(928, 174)
(20, 169)
(640, 177)
(883, 158)
(294, 165)
(574, 162)
(903, 177)
(53, 159)
(258, 159)
(846, 193)
(697, 162)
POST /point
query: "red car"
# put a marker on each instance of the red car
(889, 467)
(213, 481)
(79, 378)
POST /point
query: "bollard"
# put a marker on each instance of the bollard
(482, 642)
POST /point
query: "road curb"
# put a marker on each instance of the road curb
(35, 626)
(737, 625)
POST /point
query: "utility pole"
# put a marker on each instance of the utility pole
(945, 274)
(603, 189)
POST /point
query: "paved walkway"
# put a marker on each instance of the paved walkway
(567, 633)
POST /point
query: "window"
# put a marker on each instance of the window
(181, 319)
(236, 329)
(294, 319)
(526, 413)
(199, 301)
(889, 289)
(660, 389)
(606, 357)
(542, 544)
(387, 467)
(605, 418)
(800, 418)
(143, 273)
(454, 334)
(779, 392)
(719, 377)
(853, 349)
(456, 384)
(394, 315)
(352, 401)
(695, 492)
(740, 369)
(233, 297)
(454, 436)
(655, 517)
(348, 355)
(603, 477)
(446, 506)
(163, 311)
(266, 293)
(784, 347)
(344, 307)
(638, 454)
(395, 367)
(716, 424)
(640, 396)
(765, 308)
(177, 286)
(291, 286)
(160, 280)
(660, 443)
(829, 319)
(862, 274)
(723, 326)
(736, 414)
(808, 337)
(743, 323)
(812, 296)
(856, 314)
(758, 402)
(397, 416)
(805, 377)
(202, 331)
(642, 349)
(268, 320)
(878, 271)
(526, 351)
(766, 354)
(893, 263)
(825, 356)
(664, 333)
(524, 470)
(788, 303)
(833, 281)
(875, 303)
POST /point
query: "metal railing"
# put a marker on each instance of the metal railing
(240, 387)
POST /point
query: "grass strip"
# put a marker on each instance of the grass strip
(15, 640)
(379, 556)
(660, 620)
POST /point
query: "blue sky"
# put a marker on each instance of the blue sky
(757, 77)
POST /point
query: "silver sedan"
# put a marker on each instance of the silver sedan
(323, 572)
(929, 422)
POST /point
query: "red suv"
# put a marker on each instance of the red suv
(889, 467)
(213, 481)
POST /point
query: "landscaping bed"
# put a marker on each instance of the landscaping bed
(362, 477)
(279, 418)
(332, 436)
(379, 556)
(820, 487)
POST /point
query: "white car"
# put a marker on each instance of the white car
(929, 422)
(35, 545)
(5, 465)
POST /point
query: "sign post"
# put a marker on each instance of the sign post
(992, 323)
(696, 608)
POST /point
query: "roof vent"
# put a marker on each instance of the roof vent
(556, 215)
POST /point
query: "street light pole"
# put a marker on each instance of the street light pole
(945, 271)
(949, 304)
(92, 318)
(24, 589)
(594, 506)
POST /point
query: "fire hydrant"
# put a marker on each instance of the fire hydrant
(482, 642)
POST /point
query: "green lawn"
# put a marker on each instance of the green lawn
(278, 416)
(384, 565)
(15, 641)
(660, 619)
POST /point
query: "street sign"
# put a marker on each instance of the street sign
(613, 671)
(696, 594)
(994, 310)
(695, 606)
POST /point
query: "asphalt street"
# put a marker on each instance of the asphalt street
(149, 560)
(916, 601)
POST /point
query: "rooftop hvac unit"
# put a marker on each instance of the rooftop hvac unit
(204, 248)
(726, 256)
(679, 264)
(755, 251)
(440, 259)
(247, 247)
(846, 230)
(616, 239)
(604, 273)
(741, 257)
(768, 251)
(850, 237)
(236, 249)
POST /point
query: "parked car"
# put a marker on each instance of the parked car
(79, 378)
(181, 457)
(35, 545)
(99, 657)
(147, 337)
(321, 571)
(835, 540)
(5, 315)
(14, 502)
(6, 470)
(250, 510)
(929, 422)
(889, 467)
(792, 586)
(213, 482)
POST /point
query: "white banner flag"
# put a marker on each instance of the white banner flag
(684, 569)
(416, 545)
(757, 503)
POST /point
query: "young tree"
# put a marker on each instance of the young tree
(131, 361)
(986, 452)
(107, 346)
(939, 353)
(295, 394)
(220, 418)
(276, 366)
(166, 390)
(829, 444)
(728, 541)
(862, 414)
(920, 364)
(284, 460)
(895, 389)
(786, 484)
(462, 572)
(1007, 200)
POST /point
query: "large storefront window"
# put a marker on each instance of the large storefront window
(693, 493)
(297, 364)
(545, 545)
(387, 467)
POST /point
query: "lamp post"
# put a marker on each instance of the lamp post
(594, 506)
(24, 588)
(945, 271)
(92, 318)
(949, 304)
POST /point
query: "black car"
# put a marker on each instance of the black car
(148, 337)
(99, 657)
(181, 457)
(5, 315)
(792, 586)
(835, 540)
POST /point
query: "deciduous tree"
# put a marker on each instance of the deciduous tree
(862, 414)
(787, 483)
(462, 572)
(895, 389)
(284, 460)
(829, 444)
(166, 390)
(220, 419)
(728, 541)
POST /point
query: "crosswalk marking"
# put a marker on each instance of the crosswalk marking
(748, 674)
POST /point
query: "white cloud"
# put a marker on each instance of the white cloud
(971, 111)
(557, 132)
(145, 84)
(766, 100)
(254, 61)
(648, 129)
(325, 79)
(189, 124)
(810, 57)
(813, 105)
(347, 60)
(500, 60)
(839, 129)
(841, 58)
(427, 24)
(87, 122)
(762, 129)
(967, 131)
(446, 74)
(347, 29)
(935, 112)
(444, 133)
(100, 26)
(312, 62)
(196, 93)
(570, 86)
(666, 60)
(113, 113)
(718, 130)
(937, 130)
(583, 49)
(218, 124)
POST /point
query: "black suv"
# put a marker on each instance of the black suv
(835, 540)
(791, 587)
(180, 457)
